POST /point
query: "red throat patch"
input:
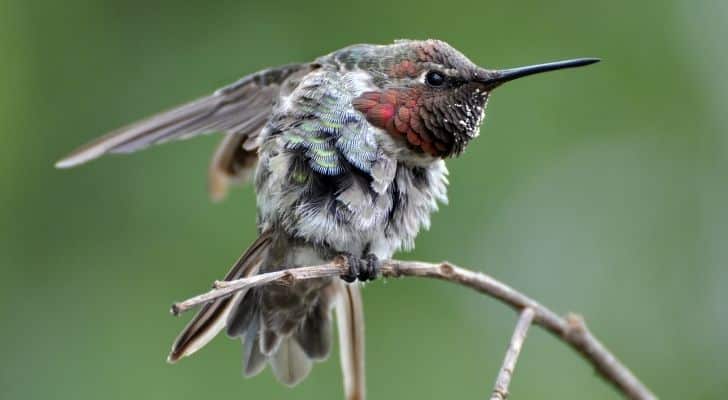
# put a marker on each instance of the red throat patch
(398, 112)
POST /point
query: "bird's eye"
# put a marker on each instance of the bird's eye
(435, 78)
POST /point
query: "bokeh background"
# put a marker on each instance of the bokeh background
(601, 190)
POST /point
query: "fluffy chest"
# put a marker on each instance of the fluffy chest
(345, 213)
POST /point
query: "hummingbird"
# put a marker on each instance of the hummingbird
(347, 155)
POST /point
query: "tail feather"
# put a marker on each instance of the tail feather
(269, 342)
(314, 335)
(253, 359)
(290, 364)
(287, 327)
(350, 321)
(283, 329)
(244, 316)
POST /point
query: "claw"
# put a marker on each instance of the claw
(371, 271)
(363, 269)
(354, 267)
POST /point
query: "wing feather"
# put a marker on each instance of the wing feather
(240, 108)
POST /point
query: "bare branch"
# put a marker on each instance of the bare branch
(500, 391)
(572, 330)
(282, 277)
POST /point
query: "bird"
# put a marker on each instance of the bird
(347, 157)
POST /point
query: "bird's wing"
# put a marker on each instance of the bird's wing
(241, 108)
(210, 320)
(350, 323)
(233, 162)
(323, 125)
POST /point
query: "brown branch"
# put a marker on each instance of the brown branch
(500, 391)
(572, 329)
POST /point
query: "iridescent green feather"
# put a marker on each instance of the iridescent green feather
(331, 130)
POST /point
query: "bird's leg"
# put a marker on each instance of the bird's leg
(362, 268)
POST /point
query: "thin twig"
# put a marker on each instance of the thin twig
(500, 391)
(572, 330)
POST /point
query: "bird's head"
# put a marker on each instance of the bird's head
(430, 96)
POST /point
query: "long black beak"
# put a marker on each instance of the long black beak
(495, 78)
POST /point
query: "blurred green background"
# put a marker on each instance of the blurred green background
(601, 191)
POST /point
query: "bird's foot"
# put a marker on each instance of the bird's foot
(363, 269)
